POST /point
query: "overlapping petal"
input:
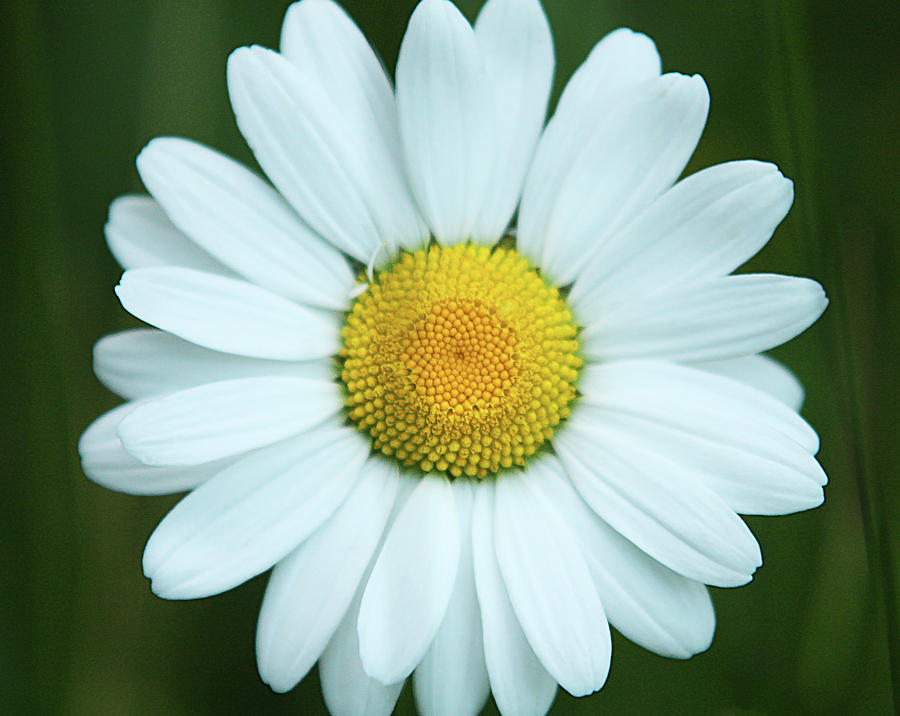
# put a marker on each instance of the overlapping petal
(217, 420)
(550, 587)
(633, 154)
(444, 105)
(242, 221)
(657, 504)
(520, 685)
(107, 463)
(139, 234)
(704, 227)
(252, 514)
(715, 319)
(228, 315)
(311, 589)
(407, 595)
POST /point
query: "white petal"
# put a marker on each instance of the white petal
(310, 589)
(692, 400)
(446, 123)
(550, 587)
(216, 420)
(633, 155)
(321, 40)
(520, 685)
(618, 62)
(452, 680)
(763, 373)
(705, 226)
(243, 222)
(145, 362)
(407, 595)
(302, 142)
(106, 462)
(650, 604)
(140, 234)
(515, 42)
(228, 315)
(756, 472)
(348, 690)
(248, 517)
(708, 320)
(656, 504)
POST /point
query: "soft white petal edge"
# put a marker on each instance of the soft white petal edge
(517, 48)
(146, 362)
(446, 123)
(217, 420)
(520, 685)
(357, 84)
(634, 154)
(656, 504)
(715, 319)
(763, 373)
(107, 463)
(228, 315)
(550, 587)
(452, 679)
(139, 234)
(311, 589)
(649, 603)
(253, 514)
(704, 227)
(242, 221)
(410, 587)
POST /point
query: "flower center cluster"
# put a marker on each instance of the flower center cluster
(460, 360)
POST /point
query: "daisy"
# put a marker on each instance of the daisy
(466, 450)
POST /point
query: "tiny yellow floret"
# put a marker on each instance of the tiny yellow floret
(460, 360)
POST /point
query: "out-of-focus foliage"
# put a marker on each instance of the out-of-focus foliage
(809, 85)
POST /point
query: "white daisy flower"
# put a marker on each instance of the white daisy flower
(466, 456)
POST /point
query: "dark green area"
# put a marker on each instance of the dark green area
(809, 85)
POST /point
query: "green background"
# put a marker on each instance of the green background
(809, 85)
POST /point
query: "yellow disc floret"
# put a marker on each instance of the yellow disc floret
(460, 360)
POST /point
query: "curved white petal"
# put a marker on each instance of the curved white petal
(656, 504)
(348, 690)
(619, 61)
(228, 315)
(517, 48)
(145, 362)
(217, 420)
(251, 515)
(321, 40)
(720, 318)
(107, 463)
(633, 155)
(139, 234)
(446, 123)
(550, 587)
(520, 685)
(242, 221)
(693, 400)
(407, 595)
(452, 680)
(311, 589)
(705, 226)
(649, 603)
(755, 471)
(302, 143)
(762, 373)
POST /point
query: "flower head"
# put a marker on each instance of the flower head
(466, 450)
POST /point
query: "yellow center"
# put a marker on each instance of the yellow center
(461, 360)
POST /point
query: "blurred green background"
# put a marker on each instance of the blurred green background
(809, 85)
